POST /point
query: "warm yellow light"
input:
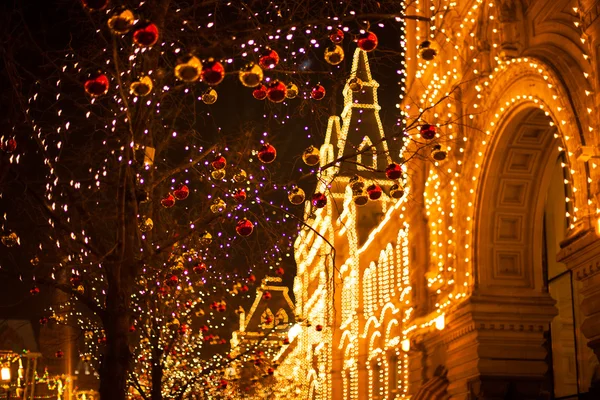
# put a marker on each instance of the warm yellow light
(440, 322)
(405, 345)
(5, 373)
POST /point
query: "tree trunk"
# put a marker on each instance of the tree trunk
(115, 363)
(157, 376)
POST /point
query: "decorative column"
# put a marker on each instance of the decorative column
(496, 347)
(581, 255)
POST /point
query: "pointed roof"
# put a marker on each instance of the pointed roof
(360, 127)
(279, 308)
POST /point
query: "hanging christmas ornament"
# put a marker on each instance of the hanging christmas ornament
(428, 131)
(142, 87)
(260, 93)
(296, 196)
(311, 156)
(251, 75)
(213, 72)
(318, 92)
(219, 162)
(374, 191)
(75, 280)
(319, 200)
(367, 41)
(396, 191)
(95, 5)
(267, 153)
(59, 354)
(146, 35)
(267, 295)
(356, 183)
(427, 51)
(43, 321)
(291, 91)
(218, 174)
(200, 267)
(337, 37)
(218, 206)
(10, 240)
(280, 271)
(121, 22)
(276, 92)
(393, 171)
(239, 195)
(240, 176)
(252, 279)
(172, 280)
(334, 54)
(181, 192)
(34, 290)
(244, 227)
(355, 84)
(96, 85)
(319, 328)
(437, 153)
(80, 289)
(268, 59)
(35, 261)
(168, 201)
(359, 197)
(210, 96)
(188, 69)
(146, 224)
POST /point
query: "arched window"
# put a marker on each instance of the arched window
(267, 319)
(367, 160)
(281, 318)
(572, 362)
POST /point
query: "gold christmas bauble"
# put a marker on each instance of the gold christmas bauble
(141, 88)
(360, 197)
(396, 191)
(296, 196)
(240, 176)
(218, 174)
(311, 156)
(121, 23)
(334, 54)
(355, 84)
(356, 183)
(10, 240)
(218, 206)
(205, 238)
(251, 75)
(188, 69)
(146, 224)
(291, 90)
(210, 96)
(427, 51)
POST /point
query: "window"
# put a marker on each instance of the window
(572, 362)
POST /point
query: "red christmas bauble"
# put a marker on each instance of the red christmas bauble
(146, 36)
(319, 200)
(219, 162)
(286, 341)
(368, 41)
(204, 328)
(213, 72)
(267, 153)
(260, 93)
(97, 85)
(270, 371)
(163, 290)
(34, 290)
(221, 308)
(268, 59)
(181, 192)
(337, 37)
(43, 321)
(374, 191)
(168, 201)
(244, 288)
(428, 131)
(318, 92)
(95, 5)
(59, 354)
(132, 328)
(172, 280)
(223, 383)
(200, 267)
(244, 227)
(75, 280)
(280, 271)
(239, 195)
(9, 146)
(319, 328)
(252, 279)
(267, 295)
(276, 92)
(393, 171)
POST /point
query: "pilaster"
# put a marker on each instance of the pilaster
(495, 347)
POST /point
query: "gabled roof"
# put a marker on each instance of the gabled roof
(279, 308)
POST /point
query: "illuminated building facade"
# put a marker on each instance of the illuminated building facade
(483, 280)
